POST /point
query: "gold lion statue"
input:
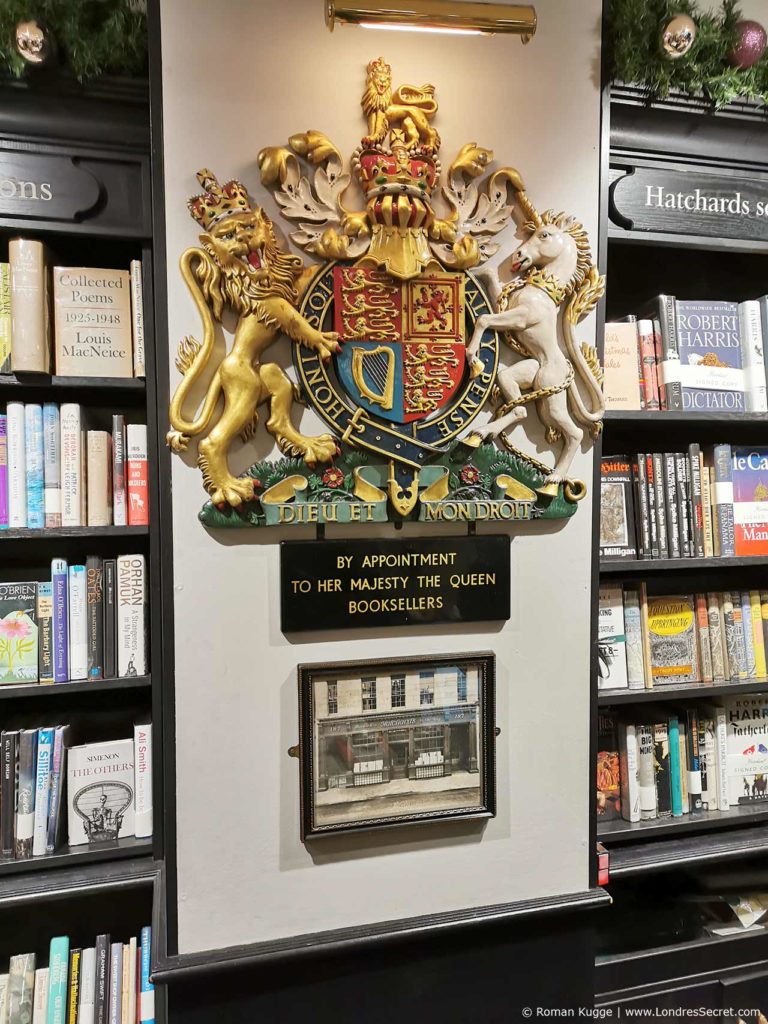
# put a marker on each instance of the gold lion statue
(240, 265)
(410, 107)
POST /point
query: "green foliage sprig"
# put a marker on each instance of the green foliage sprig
(635, 28)
(93, 37)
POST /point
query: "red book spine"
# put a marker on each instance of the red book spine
(137, 475)
(648, 360)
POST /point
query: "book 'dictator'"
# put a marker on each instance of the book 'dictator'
(92, 322)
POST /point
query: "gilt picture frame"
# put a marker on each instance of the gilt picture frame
(394, 742)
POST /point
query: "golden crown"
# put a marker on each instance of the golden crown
(217, 201)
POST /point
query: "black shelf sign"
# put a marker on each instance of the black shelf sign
(358, 584)
(45, 186)
(689, 202)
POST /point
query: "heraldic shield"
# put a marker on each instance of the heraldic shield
(403, 342)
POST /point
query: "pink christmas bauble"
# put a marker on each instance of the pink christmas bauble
(750, 45)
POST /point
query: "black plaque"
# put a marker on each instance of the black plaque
(690, 202)
(358, 584)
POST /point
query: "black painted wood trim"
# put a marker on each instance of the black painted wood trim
(71, 883)
(172, 969)
(667, 854)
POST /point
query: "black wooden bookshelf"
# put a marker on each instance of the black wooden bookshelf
(681, 691)
(113, 886)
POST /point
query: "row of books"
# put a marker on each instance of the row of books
(698, 504)
(659, 763)
(680, 638)
(107, 983)
(55, 472)
(87, 622)
(106, 789)
(98, 317)
(689, 355)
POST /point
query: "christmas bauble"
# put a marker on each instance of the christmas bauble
(33, 42)
(677, 36)
(750, 44)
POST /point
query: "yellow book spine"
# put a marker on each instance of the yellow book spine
(5, 318)
(757, 634)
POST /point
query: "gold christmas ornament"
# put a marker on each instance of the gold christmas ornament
(33, 43)
(678, 36)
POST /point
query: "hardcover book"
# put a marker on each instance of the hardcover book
(3, 472)
(711, 374)
(45, 631)
(99, 477)
(750, 500)
(661, 312)
(9, 748)
(646, 771)
(21, 988)
(93, 322)
(40, 1011)
(628, 773)
(78, 623)
(52, 464)
(633, 630)
(95, 601)
(119, 498)
(621, 360)
(662, 766)
(136, 474)
(58, 976)
(33, 437)
(137, 313)
(142, 752)
(18, 633)
(672, 632)
(25, 800)
(45, 739)
(131, 616)
(71, 465)
(5, 318)
(617, 516)
(747, 749)
(30, 320)
(611, 640)
(17, 466)
(100, 795)
(60, 583)
(722, 469)
(752, 355)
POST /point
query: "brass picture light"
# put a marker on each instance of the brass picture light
(455, 16)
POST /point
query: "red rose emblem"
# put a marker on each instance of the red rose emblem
(470, 475)
(333, 477)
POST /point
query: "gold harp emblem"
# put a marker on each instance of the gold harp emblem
(381, 369)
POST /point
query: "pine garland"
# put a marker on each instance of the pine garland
(93, 37)
(635, 28)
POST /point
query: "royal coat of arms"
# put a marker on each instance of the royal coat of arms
(399, 337)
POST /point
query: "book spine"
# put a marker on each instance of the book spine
(134, 976)
(660, 504)
(708, 764)
(21, 987)
(137, 315)
(33, 436)
(9, 751)
(110, 618)
(71, 465)
(751, 331)
(653, 524)
(25, 801)
(57, 783)
(697, 514)
(641, 504)
(85, 1013)
(40, 1006)
(670, 368)
(746, 623)
(705, 647)
(629, 786)
(124, 1009)
(675, 778)
(646, 772)
(30, 323)
(73, 992)
(683, 519)
(115, 983)
(42, 790)
(119, 498)
(101, 995)
(17, 466)
(723, 499)
(147, 993)
(99, 488)
(51, 465)
(758, 644)
(693, 762)
(662, 770)
(5, 318)
(142, 760)
(95, 603)
(764, 619)
(78, 623)
(733, 635)
(3, 471)
(670, 501)
(58, 976)
(45, 632)
(706, 502)
(648, 357)
(136, 471)
(721, 741)
(131, 615)
(719, 670)
(633, 630)
(647, 663)
(60, 580)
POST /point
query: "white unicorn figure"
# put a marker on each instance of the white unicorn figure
(555, 265)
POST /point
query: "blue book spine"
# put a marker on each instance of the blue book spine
(674, 767)
(147, 993)
(54, 810)
(709, 345)
(58, 968)
(33, 433)
(45, 739)
(52, 464)
(60, 620)
(723, 498)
